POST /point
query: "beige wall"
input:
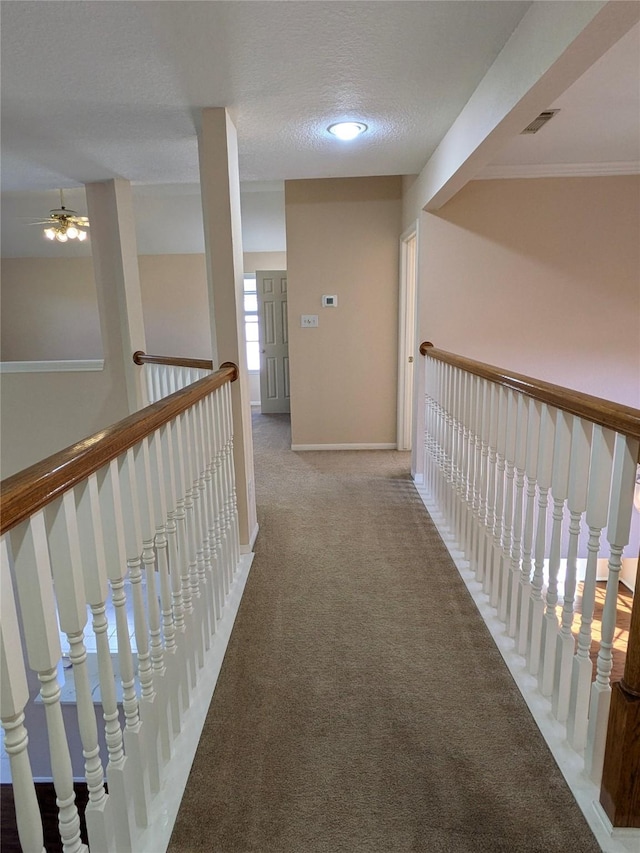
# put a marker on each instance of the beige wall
(253, 261)
(49, 310)
(175, 305)
(342, 238)
(540, 276)
(42, 413)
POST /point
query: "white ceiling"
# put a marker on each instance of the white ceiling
(97, 90)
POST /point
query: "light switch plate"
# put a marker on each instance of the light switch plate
(308, 321)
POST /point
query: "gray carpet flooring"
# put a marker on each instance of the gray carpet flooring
(362, 705)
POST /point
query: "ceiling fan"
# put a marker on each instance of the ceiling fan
(64, 224)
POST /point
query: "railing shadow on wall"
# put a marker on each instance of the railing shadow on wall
(138, 520)
(513, 469)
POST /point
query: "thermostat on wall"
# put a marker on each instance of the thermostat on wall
(329, 301)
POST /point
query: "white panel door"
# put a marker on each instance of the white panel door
(271, 286)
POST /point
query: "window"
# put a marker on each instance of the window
(251, 322)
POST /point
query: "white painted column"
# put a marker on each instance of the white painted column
(115, 265)
(220, 188)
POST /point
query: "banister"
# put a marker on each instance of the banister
(615, 416)
(141, 357)
(30, 490)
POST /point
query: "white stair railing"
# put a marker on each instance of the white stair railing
(514, 470)
(138, 521)
(163, 375)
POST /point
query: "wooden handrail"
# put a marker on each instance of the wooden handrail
(33, 488)
(141, 357)
(615, 416)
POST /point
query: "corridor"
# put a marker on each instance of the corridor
(362, 706)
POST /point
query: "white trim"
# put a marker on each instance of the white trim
(407, 334)
(570, 763)
(165, 805)
(66, 366)
(247, 549)
(343, 446)
(254, 403)
(560, 170)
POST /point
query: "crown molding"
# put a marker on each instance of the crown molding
(560, 170)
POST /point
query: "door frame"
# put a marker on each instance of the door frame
(407, 332)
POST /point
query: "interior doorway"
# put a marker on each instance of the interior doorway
(271, 286)
(406, 335)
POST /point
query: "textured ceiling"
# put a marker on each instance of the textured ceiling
(94, 90)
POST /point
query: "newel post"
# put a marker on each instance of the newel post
(620, 789)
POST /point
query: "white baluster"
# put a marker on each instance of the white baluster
(199, 527)
(497, 555)
(536, 602)
(473, 494)
(117, 545)
(37, 605)
(147, 518)
(159, 487)
(531, 467)
(13, 697)
(66, 564)
(192, 528)
(597, 510)
(506, 576)
(222, 539)
(577, 503)
(168, 439)
(95, 580)
(182, 534)
(520, 456)
(559, 493)
(618, 527)
(457, 452)
(211, 498)
(157, 385)
(233, 504)
(484, 418)
(203, 487)
(132, 510)
(467, 455)
(491, 486)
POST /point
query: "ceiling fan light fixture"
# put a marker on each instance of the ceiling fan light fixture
(82, 236)
(50, 233)
(61, 236)
(347, 130)
(72, 232)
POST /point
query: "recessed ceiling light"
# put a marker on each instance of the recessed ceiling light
(347, 129)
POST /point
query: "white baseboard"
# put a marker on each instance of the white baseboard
(255, 403)
(247, 549)
(343, 446)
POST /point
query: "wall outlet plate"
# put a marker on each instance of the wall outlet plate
(330, 301)
(308, 321)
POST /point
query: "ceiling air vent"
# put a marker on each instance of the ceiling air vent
(539, 122)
